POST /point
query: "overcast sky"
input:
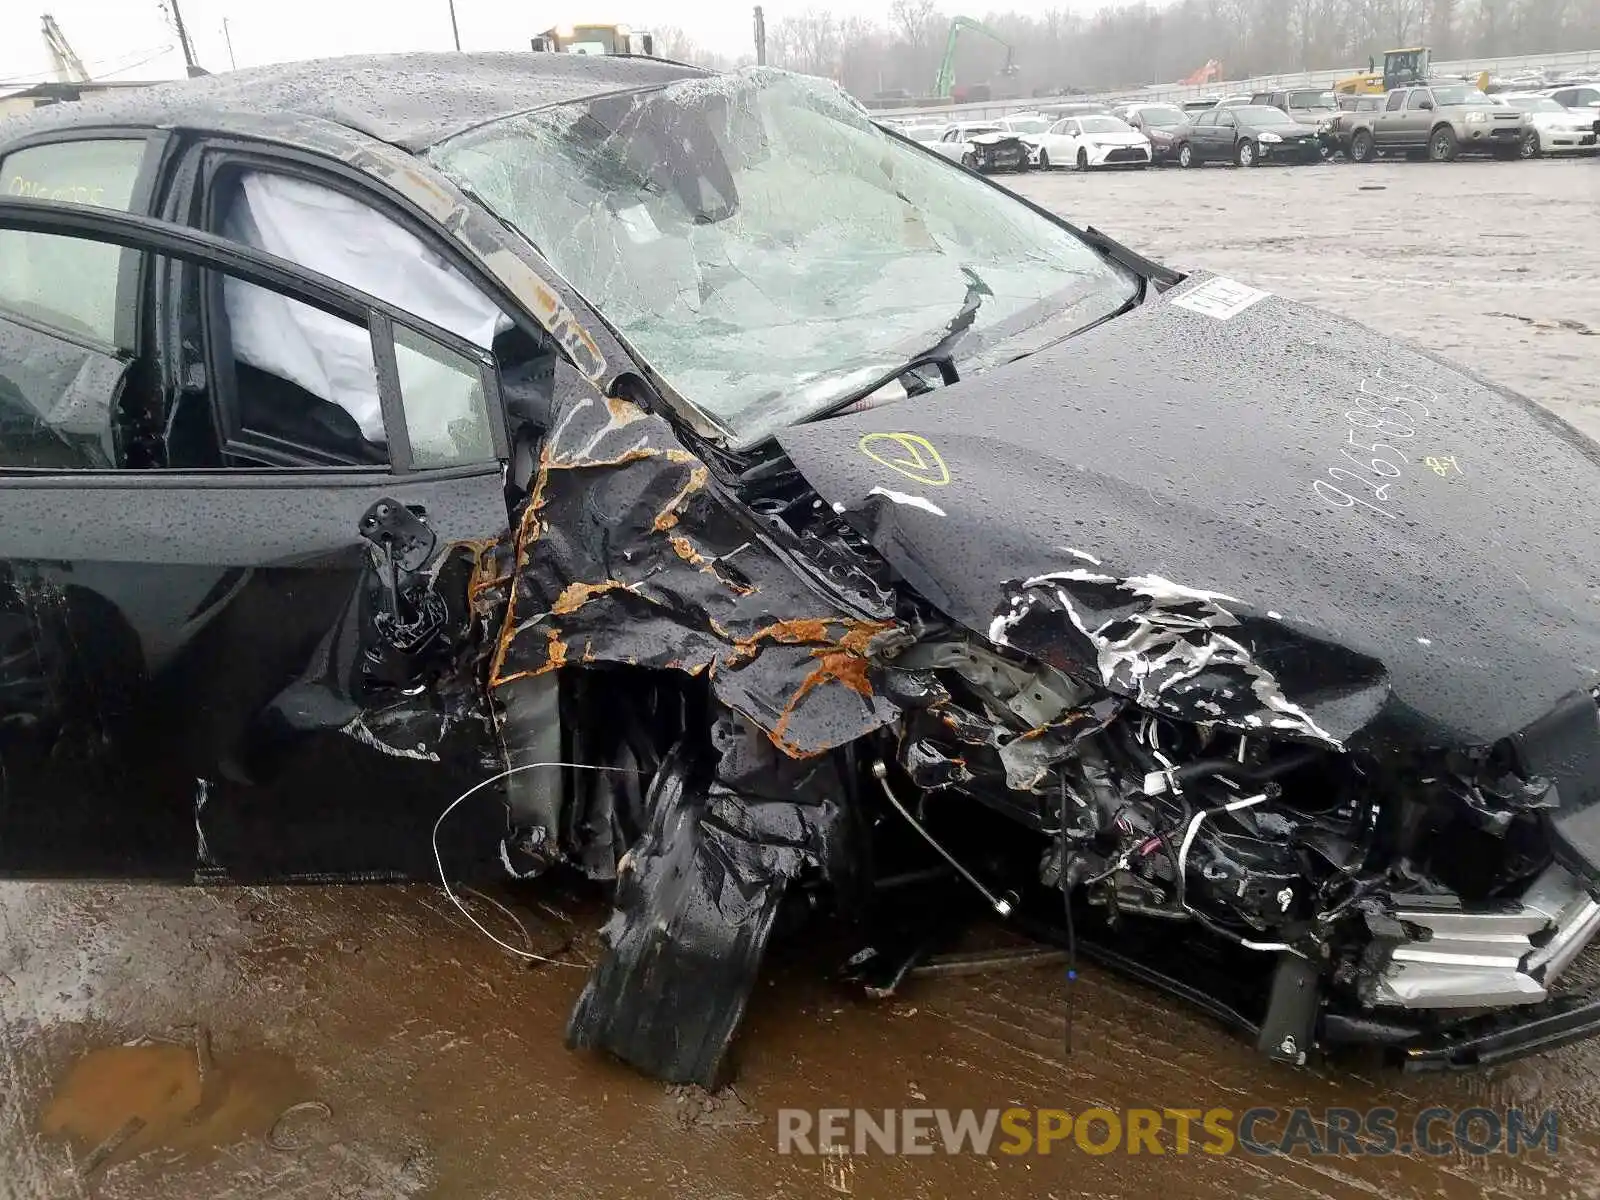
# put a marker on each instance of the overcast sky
(132, 39)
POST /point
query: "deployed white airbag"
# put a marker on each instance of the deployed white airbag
(328, 232)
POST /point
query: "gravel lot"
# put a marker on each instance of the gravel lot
(1496, 265)
(426, 1063)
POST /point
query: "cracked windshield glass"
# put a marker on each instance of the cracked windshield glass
(768, 250)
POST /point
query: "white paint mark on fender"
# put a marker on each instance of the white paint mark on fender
(907, 499)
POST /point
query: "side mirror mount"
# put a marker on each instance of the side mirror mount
(1426, 106)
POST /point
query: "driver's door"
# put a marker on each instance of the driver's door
(1388, 126)
(1418, 120)
(1224, 135)
(259, 669)
(1071, 139)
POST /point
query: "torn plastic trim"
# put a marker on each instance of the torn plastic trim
(697, 898)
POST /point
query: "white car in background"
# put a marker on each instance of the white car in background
(1031, 128)
(1583, 97)
(985, 147)
(924, 133)
(1555, 129)
(1093, 141)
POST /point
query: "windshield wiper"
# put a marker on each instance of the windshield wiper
(941, 354)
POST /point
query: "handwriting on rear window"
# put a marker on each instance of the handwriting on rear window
(1377, 453)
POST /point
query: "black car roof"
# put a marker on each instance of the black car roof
(410, 100)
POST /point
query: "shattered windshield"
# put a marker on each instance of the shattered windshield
(766, 247)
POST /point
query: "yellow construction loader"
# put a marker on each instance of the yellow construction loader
(595, 39)
(1400, 67)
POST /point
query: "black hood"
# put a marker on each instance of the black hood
(1177, 505)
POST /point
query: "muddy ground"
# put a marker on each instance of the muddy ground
(364, 1042)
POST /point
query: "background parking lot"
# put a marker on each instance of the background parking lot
(1495, 265)
(439, 1060)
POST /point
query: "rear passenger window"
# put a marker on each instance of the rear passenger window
(67, 283)
(1395, 101)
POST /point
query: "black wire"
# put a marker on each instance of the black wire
(1072, 939)
(1072, 976)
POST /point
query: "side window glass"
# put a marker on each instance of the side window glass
(56, 402)
(446, 412)
(67, 283)
(1396, 99)
(307, 388)
(302, 379)
(350, 240)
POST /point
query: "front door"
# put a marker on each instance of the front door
(1223, 136)
(234, 637)
(1388, 128)
(1417, 123)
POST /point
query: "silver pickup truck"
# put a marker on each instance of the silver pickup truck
(1440, 120)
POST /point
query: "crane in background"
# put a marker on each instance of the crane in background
(69, 67)
(944, 82)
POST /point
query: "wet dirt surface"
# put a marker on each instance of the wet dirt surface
(365, 1042)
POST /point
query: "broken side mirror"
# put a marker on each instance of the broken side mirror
(410, 614)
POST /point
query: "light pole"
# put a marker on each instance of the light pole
(183, 40)
(455, 31)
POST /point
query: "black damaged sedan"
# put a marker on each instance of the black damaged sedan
(565, 465)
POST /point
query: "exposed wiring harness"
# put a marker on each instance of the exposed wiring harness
(438, 858)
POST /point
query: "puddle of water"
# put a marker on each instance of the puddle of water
(119, 1102)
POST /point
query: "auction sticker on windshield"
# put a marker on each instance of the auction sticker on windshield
(1219, 298)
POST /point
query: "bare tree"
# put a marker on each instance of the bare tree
(1134, 42)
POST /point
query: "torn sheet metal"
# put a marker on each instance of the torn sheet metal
(627, 552)
(1170, 648)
